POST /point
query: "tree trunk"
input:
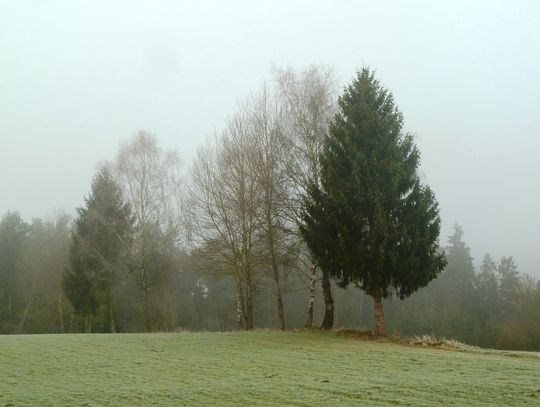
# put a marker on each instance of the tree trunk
(240, 305)
(27, 306)
(110, 311)
(144, 293)
(88, 324)
(275, 272)
(279, 297)
(61, 313)
(239, 313)
(281, 314)
(311, 300)
(25, 314)
(112, 317)
(379, 314)
(71, 318)
(328, 321)
(361, 307)
(146, 312)
(10, 303)
(249, 306)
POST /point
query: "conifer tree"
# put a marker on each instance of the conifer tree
(100, 243)
(371, 222)
(509, 286)
(79, 289)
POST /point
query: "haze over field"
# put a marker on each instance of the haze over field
(78, 78)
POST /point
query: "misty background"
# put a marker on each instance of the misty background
(77, 78)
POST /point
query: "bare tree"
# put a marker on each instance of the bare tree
(309, 102)
(267, 129)
(39, 283)
(151, 180)
(226, 201)
(58, 256)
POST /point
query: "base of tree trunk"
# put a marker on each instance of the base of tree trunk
(328, 321)
(379, 315)
(311, 301)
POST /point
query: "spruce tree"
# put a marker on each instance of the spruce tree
(486, 300)
(100, 243)
(458, 277)
(372, 222)
(509, 286)
(79, 289)
(455, 291)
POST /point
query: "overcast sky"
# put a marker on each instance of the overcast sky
(78, 77)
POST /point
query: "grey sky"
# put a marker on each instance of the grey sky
(76, 78)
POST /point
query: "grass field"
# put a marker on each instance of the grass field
(256, 368)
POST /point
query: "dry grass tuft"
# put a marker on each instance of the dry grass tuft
(424, 341)
(428, 341)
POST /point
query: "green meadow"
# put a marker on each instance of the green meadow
(257, 368)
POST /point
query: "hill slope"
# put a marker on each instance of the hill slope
(249, 368)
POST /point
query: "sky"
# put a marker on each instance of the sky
(78, 77)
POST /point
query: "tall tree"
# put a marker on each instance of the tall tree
(226, 199)
(79, 288)
(101, 242)
(509, 285)
(151, 180)
(458, 277)
(371, 222)
(13, 234)
(486, 291)
(57, 258)
(267, 129)
(41, 301)
(454, 289)
(308, 102)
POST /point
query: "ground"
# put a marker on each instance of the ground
(257, 368)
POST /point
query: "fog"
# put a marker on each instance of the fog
(77, 78)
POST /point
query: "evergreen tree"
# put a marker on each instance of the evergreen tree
(79, 289)
(509, 286)
(371, 222)
(486, 302)
(13, 233)
(486, 291)
(100, 242)
(458, 277)
(454, 293)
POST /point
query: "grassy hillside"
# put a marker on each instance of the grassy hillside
(256, 368)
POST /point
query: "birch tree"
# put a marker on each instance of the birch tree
(152, 184)
(267, 129)
(308, 100)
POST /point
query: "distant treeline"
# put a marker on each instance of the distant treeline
(250, 236)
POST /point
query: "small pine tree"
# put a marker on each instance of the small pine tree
(486, 290)
(509, 286)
